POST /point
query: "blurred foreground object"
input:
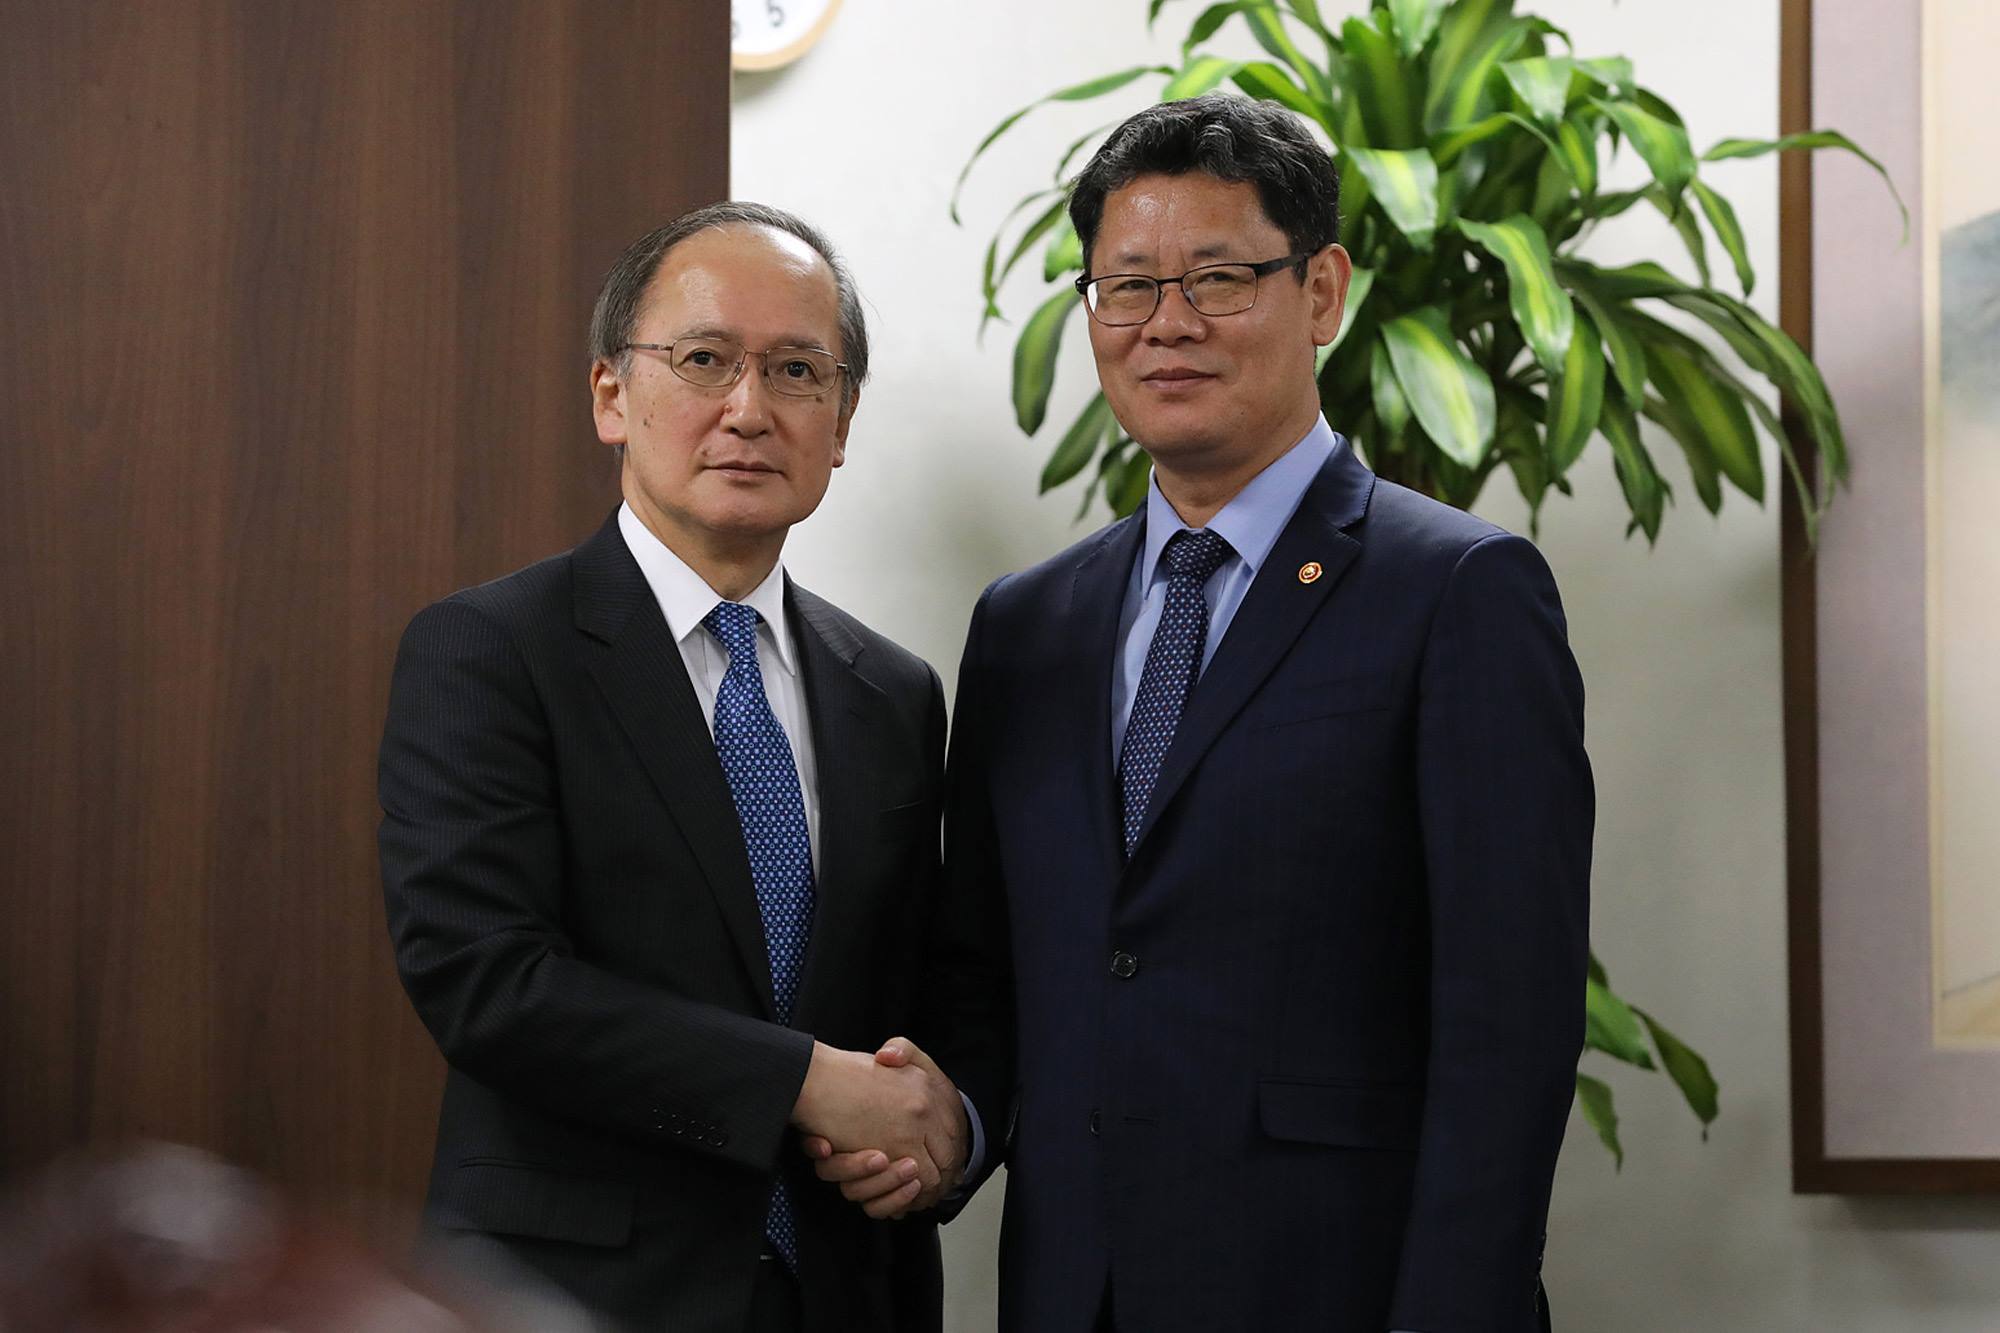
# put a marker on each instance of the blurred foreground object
(161, 1237)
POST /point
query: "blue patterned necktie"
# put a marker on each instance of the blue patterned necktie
(1172, 662)
(757, 760)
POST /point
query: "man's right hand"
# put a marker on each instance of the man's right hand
(897, 1121)
(883, 1175)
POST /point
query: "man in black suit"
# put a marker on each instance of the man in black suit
(659, 838)
(1268, 833)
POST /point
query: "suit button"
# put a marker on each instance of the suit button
(1096, 1121)
(1123, 965)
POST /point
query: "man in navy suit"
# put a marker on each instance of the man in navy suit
(1268, 822)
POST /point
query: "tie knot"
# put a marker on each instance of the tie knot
(735, 625)
(1196, 553)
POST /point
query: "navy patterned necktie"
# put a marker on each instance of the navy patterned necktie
(757, 760)
(1172, 663)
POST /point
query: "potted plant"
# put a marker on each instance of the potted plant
(1472, 144)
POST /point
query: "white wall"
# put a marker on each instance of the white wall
(1679, 645)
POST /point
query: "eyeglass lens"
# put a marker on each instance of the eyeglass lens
(803, 372)
(1219, 289)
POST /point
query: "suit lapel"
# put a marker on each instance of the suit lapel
(843, 707)
(1273, 614)
(640, 672)
(1097, 597)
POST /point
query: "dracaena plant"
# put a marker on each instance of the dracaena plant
(1473, 146)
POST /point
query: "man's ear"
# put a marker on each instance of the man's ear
(840, 425)
(1327, 276)
(607, 402)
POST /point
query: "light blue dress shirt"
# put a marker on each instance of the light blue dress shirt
(1250, 523)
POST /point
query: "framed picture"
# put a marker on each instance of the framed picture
(1892, 623)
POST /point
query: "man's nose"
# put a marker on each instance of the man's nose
(1175, 318)
(747, 408)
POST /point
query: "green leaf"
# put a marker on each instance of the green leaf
(1261, 78)
(1628, 356)
(1079, 444)
(1405, 183)
(1576, 149)
(1518, 439)
(1125, 487)
(1473, 37)
(1201, 75)
(1772, 352)
(1597, 972)
(1309, 11)
(1392, 410)
(1631, 283)
(1611, 1026)
(1663, 144)
(1713, 410)
(1448, 147)
(1035, 359)
(1702, 467)
(1541, 307)
(1593, 1098)
(1069, 153)
(1065, 253)
(1383, 86)
(1688, 1071)
(1415, 21)
(992, 275)
(1204, 27)
(1542, 84)
(1358, 288)
(1450, 396)
(1576, 397)
(1611, 73)
(1681, 219)
(1645, 493)
(1268, 28)
(1809, 140)
(1080, 92)
(1722, 220)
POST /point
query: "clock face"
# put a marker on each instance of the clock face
(764, 34)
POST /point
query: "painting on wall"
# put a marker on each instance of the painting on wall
(1892, 630)
(1962, 196)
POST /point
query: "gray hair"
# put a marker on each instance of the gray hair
(615, 319)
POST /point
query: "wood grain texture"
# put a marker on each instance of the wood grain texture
(292, 310)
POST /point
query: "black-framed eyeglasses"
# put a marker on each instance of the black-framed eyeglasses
(1212, 289)
(798, 372)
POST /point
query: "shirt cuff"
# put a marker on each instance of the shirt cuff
(976, 1159)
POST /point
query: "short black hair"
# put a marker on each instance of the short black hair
(616, 316)
(1228, 137)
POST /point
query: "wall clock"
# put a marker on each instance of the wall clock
(764, 34)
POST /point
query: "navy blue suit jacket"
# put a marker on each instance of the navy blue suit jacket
(1305, 1061)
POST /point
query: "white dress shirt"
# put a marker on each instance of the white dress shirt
(684, 599)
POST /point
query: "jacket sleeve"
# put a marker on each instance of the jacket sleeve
(968, 1009)
(473, 874)
(1506, 804)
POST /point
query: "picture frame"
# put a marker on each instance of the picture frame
(1895, 1074)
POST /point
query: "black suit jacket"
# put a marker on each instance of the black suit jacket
(1305, 1061)
(573, 917)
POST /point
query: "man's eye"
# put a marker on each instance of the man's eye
(1130, 286)
(798, 370)
(701, 356)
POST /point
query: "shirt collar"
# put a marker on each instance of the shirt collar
(685, 597)
(1255, 515)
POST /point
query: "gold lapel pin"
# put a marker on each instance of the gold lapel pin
(1310, 571)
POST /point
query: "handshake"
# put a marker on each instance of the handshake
(890, 1129)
